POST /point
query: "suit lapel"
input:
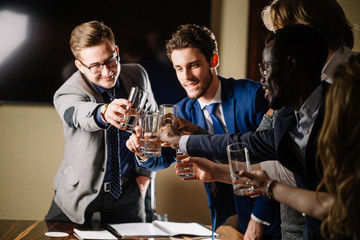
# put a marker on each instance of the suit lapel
(285, 119)
(285, 146)
(126, 82)
(229, 113)
(127, 85)
(197, 115)
(228, 105)
(90, 87)
(313, 169)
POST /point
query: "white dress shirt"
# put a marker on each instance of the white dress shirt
(305, 119)
(340, 56)
(219, 111)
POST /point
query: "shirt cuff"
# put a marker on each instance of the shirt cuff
(139, 160)
(253, 217)
(182, 143)
(99, 120)
(145, 172)
(277, 171)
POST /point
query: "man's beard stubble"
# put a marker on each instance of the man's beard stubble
(206, 87)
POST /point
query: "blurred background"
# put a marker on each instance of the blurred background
(35, 59)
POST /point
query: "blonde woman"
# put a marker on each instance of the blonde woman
(326, 16)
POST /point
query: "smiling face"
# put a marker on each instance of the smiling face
(99, 54)
(192, 70)
(275, 83)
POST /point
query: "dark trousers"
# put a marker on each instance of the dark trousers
(128, 208)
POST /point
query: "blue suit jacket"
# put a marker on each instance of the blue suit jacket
(274, 144)
(243, 105)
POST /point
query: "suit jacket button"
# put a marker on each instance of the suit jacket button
(95, 191)
(102, 169)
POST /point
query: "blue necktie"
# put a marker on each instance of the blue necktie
(212, 186)
(218, 128)
(114, 137)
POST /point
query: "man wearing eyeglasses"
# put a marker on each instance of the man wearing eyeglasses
(97, 172)
(219, 105)
(293, 59)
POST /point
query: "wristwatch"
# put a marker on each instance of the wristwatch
(102, 112)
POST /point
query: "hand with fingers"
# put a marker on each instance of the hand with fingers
(204, 169)
(170, 135)
(116, 110)
(258, 178)
(185, 127)
(133, 143)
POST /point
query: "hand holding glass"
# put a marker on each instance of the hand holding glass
(185, 170)
(168, 114)
(238, 157)
(150, 146)
(138, 98)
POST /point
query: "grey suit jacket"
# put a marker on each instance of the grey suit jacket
(81, 173)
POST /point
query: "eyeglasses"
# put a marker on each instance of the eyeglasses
(95, 69)
(263, 68)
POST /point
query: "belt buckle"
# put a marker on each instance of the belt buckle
(107, 187)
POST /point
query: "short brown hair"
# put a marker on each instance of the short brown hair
(191, 35)
(326, 16)
(89, 34)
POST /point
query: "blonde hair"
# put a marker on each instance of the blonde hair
(89, 34)
(326, 16)
(339, 151)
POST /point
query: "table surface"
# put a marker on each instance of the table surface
(35, 230)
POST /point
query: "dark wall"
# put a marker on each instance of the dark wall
(257, 35)
(36, 68)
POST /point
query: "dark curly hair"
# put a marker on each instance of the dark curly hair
(191, 35)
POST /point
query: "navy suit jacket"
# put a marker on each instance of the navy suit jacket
(243, 106)
(274, 144)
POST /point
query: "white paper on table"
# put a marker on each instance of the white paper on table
(160, 229)
(137, 229)
(103, 234)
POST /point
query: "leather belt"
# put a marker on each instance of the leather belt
(107, 185)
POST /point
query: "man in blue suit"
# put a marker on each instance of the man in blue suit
(218, 105)
(292, 62)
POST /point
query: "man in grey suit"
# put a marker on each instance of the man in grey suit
(97, 172)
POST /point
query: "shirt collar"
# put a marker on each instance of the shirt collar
(216, 98)
(339, 56)
(312, 103)
(103, 90)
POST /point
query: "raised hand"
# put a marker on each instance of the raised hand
(116, 111)
(185, 127)
(206, 170)
(169, 135)
(133, 143)
(258, 177)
